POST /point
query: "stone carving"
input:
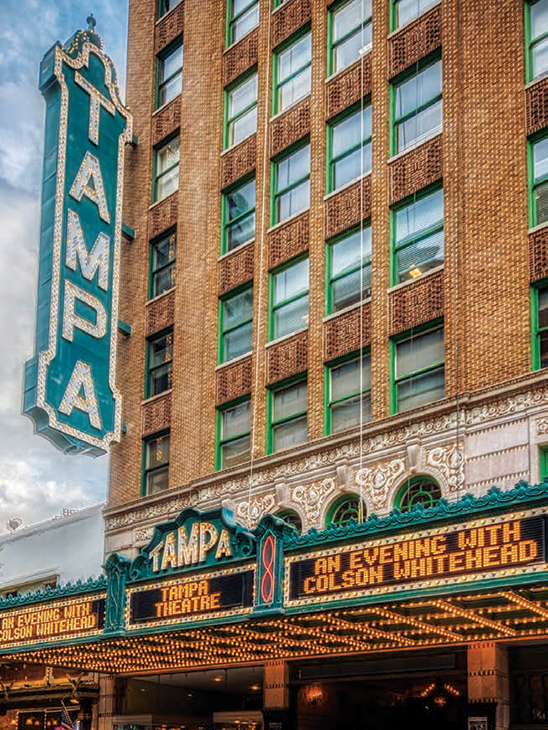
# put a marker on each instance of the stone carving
(312, 499)
(142, 535)
(542, 426)
(250, 512)
(377, 482)
(449, 461)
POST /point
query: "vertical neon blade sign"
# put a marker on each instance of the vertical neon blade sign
(70, 389)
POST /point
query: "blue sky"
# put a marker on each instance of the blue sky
(36, 481)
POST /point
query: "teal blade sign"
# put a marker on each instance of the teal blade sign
(70, 389)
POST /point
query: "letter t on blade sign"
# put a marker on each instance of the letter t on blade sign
(70, 387)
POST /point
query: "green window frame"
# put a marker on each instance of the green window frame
(348, 32)
(291, 71)
(166, 169)
(236, 325)
(240, 109)
(419, 491)
(169, 75)
(416, 105)
(416, 236)
(417, 368)
(348, 147)
(536, 39)
(155, 467)
(159, 364)
(163, 256)
(238, 215)
(347, 393)
(233, 434)
(242, 17)
(348, 507)
(403, 12)
(537, 158)
(348, 269)
(290, 184)
(543, 463)
(292, 518)
(285, 421)
(165, 6)
(539, 326)
(288, 299)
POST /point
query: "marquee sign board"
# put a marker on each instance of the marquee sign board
(440, 556)
(70, 390)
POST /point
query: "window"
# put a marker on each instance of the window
(236, 325)
(241, 110)
(418, 368)
(404, 11)
(349, 33)
(349, 148)
(162, 264)
(159, 364)
(243, 16)
(156, 464)
(417, 236)
(348, 394)
(238, 216)
(166, 169)
(167, 5)
(291, 518)
(543, 463)
(347, 508)
(538, 172)
(233, 435)
(539, 320)
(287, 411)
(291, 184)
(536, 33)
(170, 75)
(420, 491)
(292, 73)
(417, 111)
(289, 300)
(348, 270)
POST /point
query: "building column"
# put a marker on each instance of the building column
(276, 700)
(488, 685)
(106, 702)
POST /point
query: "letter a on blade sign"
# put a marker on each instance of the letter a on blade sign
(70, 388)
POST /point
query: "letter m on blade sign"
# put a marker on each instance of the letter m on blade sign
(70, 389)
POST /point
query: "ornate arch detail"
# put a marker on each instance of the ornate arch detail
(339, 501)
(308, 500)
(376, 483)
(426, 472)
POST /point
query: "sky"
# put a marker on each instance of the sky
(36, 481)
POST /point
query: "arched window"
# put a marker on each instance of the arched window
(420, 491)
(292, 518)
(345, 509)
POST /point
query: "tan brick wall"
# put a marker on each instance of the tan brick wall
(483, 292)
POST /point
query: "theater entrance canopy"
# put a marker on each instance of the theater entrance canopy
(207, 592)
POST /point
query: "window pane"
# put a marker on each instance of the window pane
(407, 10)
(289, 434)
(240, 232)
(161, 351)
(543, 308)
(164, 251)
(171, 63)
(170, 90)
(157, 452)
(245, 23)
(421, 389)
(349, 16)
(288, 401)
(543, 349)
(347, 414)
(540, 158)
(167, 156)
(240, 200)
(168, 5)
(167, 184)
(243, 126)
(419, 352)
(293, 201)
(237, 342)
(294, 57)
(294, 89)
(346, 254)
(158, 480)
(291, 281)
(163, 280)
(540, 58)
(419, 127)
(420, 257)
(539, 18)
(347, 380)
(419, 216)
(235, 452)
(349, 50)
(351, 289)
(242, 96)
(237, 309)
(419, 89)
(293, 168)
(352, 166)
(235, 421)
(159, 380)
(350, 131)
(291, 317)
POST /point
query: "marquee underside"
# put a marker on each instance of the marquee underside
(491, 615)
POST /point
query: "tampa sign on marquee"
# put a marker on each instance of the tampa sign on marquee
(70, 390)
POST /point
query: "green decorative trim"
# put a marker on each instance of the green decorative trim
(337, 504)
(117, 570)
(495, 501)
(544, 463)
(79, 587)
